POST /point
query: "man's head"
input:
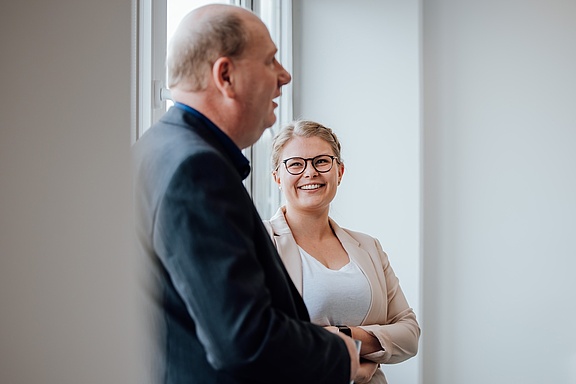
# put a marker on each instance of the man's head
(222, 62)
(200, 39)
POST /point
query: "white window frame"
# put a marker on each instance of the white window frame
(265, 194)
(150, 63)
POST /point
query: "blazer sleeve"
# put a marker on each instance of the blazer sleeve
(398, 332)
(204, 238)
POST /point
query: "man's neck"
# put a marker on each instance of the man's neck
(214, 109)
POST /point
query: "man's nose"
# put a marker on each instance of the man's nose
(284, 77)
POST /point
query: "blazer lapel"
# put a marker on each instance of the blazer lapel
(363, 259)
(287, 248)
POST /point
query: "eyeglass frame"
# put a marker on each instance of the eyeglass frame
(311, 159)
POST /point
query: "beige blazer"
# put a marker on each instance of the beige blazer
(389, 318)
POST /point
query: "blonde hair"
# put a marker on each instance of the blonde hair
(303, 128)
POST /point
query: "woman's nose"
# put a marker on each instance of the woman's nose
(310, 170)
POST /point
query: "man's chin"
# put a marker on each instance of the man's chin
(271, 121)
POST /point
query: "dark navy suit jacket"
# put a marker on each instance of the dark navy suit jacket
(227, 309)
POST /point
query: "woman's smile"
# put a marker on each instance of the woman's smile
(311, 186)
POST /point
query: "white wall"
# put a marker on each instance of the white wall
(67, 308)
(499, 192)
(357, 70)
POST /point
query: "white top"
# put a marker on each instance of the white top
(334, 297)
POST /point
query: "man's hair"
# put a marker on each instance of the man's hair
(303, 128)
(196, 47)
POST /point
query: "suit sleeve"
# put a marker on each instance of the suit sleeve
(204, 236)
(399, 332)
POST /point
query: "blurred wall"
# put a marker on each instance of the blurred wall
(67, 308)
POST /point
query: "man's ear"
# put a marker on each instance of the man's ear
(222, 71)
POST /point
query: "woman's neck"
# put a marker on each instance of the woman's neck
(308, 225)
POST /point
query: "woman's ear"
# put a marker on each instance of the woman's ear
(222, 71)
(276, 178)
(340, 172)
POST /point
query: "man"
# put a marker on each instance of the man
(228, 311)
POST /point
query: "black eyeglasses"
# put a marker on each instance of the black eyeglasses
(321, 163)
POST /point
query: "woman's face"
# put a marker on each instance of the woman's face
(311, 190)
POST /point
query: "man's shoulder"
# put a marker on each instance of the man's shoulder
(166, 148)
(173, 137)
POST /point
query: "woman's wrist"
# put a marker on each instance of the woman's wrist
(345, 330)
(369, 342)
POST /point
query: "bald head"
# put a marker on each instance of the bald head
(204, 35)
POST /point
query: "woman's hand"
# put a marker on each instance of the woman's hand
(365, 372)
(332, 328)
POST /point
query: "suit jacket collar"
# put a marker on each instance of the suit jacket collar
(194, 118)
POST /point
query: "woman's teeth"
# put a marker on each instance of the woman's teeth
(311, 186)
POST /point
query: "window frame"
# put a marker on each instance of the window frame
(260, 184)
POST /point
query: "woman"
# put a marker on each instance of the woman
(344, 277)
